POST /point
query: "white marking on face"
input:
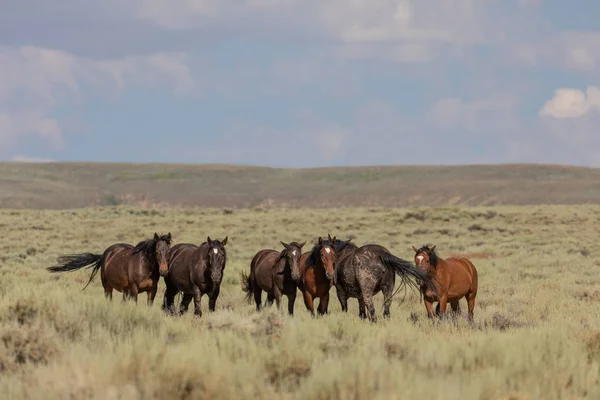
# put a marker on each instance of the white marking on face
(420, 258)
(327, 250)
(215, 251)
(294, 252)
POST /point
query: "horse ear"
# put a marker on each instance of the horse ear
(224, 242)
(169, 235)
(208, 240)
(329, 236)
(283, 244)
(320, 240)
(156, 237)
(302, 244)
(432, 249)
(415, 249)
(334, 239)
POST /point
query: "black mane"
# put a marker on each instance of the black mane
(315, 254)
(339, 244)
(433, 257)
(148, 246)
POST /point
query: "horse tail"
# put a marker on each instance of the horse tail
(74, 262)
(247, 286)
(407, 270)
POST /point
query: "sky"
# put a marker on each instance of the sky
(301, 83)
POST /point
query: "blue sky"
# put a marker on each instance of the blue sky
(290, 83)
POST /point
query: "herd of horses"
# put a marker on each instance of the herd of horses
(358, 272)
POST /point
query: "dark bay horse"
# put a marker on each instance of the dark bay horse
(195, 271)
(127, 269)
(277, 273)
(455, 278)
(317, 273)
(362, 272)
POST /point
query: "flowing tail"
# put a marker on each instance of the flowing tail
(247, 286)
(74, 262)
(407, 270)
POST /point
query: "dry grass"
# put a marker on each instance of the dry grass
(536, 333)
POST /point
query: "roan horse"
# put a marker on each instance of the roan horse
(454, 278)
(127, 269)
(277, 273)
(317, 273)
(362, 272)
(195, 271)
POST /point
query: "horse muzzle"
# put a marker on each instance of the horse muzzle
(163, 270)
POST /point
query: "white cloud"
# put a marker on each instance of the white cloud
(572, 103)
(16, 126)
(569, 50)
(476, 115)
(34, 80)
(350, 21)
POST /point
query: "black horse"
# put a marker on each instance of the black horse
(362, 272)
(195, 271)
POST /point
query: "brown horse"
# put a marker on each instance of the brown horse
(454, 277)
(195, 271)
(317, 274)
(127, 269)
(277, 273)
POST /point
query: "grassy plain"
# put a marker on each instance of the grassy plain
(536, 333)
(76, 185)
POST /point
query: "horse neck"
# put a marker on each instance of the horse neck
(435, 269)
(344, 253)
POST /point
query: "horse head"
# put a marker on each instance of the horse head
(425, 257)
(217, 258)
(292, 253)
(327, 254)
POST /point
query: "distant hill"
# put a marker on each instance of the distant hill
(74, 185)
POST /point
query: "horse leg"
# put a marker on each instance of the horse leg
(270, 300)
(370, 307)
(442, 305)
(212, 300)
(258, 298)
(361, 308)
(429, 308)
(471, 304)
(455, 307)
(388, 292)
(308, 302)
(341, 295)
(323, 303)
(133, 293)
(277, 293)
(169, 298)
(152, 294)
(107, 288)
(197, 298)
(185, 303)
(291, 302)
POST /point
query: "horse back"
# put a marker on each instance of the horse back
(123, 250)
(183, 254)
(265, 257)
